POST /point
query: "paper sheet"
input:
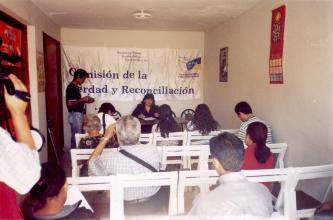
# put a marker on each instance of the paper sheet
(74, 195)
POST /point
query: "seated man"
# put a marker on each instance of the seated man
(234, 196)
(128, 134)
(244, 113)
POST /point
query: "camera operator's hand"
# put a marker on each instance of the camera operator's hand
(17, 109)
(14, 104)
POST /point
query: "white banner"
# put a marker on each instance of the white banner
(128, 73)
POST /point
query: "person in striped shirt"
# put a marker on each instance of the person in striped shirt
(244, 113)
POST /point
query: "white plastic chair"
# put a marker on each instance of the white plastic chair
(307, 173)
(146, 138)
(185, 152)
(279, 149)
(205, 178)
(174, 136)
(83, 154)
(78, 137)
(124, 181)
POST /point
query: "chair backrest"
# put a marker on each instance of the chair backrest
(280, 150)
(173, 136)
(97, 183)
(187, 114)
(307, 173)
(168, 153)
(205, 178)
(140, 180)
(91, 183)
(232, 130)
(78, 137)
(146, 138)
(83, 154)
(195, 137)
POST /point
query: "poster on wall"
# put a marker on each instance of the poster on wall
(276, 50)
(40, 71)
(224, 64)
(10, 45)
(127, 74)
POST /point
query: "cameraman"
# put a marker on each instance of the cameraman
(19, 162)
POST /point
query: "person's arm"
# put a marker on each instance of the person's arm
(138, 111)
(20, 168)
(155, 109)
(17, 109)
(109, 133)
(85, 99)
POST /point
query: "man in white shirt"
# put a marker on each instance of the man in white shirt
(234, 196)
(244, 113)
(19, 162)
(128, 129)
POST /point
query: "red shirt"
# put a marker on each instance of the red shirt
(251, 163)
(8, 206)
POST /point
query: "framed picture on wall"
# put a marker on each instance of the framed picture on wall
(224, 64)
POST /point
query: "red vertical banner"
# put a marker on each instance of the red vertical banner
(10, 44)
(276, 52)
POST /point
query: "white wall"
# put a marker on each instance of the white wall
(37, 22)
(299, 111)
(132, 39)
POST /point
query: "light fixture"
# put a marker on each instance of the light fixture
(142, 15)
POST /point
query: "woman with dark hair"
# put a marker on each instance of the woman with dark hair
(166, 124)
(47, 197)
(147, 109)
(257, 154)
(203, 120)
(105, 113)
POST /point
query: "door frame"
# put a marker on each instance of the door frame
(59, 92)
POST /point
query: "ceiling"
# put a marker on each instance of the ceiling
(185, 15)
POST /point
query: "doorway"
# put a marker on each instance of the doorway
(53, 97)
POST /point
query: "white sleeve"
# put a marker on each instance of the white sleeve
(20, 167)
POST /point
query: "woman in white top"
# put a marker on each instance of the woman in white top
(105, 113)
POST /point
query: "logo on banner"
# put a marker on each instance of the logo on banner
(193, 67)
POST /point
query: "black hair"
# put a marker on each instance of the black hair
(203, 120)
(166, 122)
(106, 107)
(228, 149)
(243, 107)
(80, 73)
(148, 96)
(258, 134)
(52, 179)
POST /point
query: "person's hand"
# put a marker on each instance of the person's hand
(14, 104)
(91, 99)
(110, 131)
(156, 115)
(324, 206)
(142, 116)
(86, 99)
